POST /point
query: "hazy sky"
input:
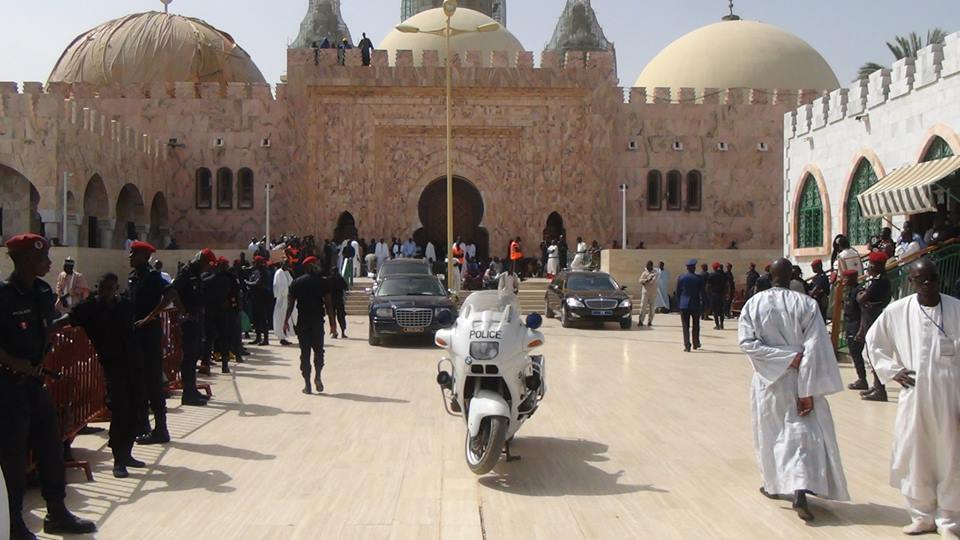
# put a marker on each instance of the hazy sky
(846, 32)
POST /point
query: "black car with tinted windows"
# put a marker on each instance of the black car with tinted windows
(588, 296)
(408, 305)
(402, 266)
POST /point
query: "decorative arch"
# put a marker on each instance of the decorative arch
(346, 227)
(937, 148)
(224, 188)
(858, 228)
(96, 209)
(554, 228)
(811, 182)
(939, 131)
(674, 194)
(245, 188)
(130, 213)
(203, 179)
(654, 190)
(19, 204)
(159, 221)
(694, 191)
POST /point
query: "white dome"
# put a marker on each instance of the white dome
(486, 42)
(154, 47)
(739, 54)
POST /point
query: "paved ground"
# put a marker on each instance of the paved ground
(635, 440)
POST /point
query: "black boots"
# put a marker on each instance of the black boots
(159, 435)
(307, 389)
(318, 383)
(61, 521)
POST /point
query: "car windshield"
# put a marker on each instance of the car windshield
(404, 268)
(413, 286)
(592, 282)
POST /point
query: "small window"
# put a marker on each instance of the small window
(245, 188)
(654, 190)
(224, 188)
(204, 180)
(694, 191)
(674, 186)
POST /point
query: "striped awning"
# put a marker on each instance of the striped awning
(909, 190)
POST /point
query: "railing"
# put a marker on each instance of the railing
(945, 255)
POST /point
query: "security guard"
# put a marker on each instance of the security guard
(259, 284)
(107, 319)
(189, 287)
(310, 295)
(221, 292)
(150, 294)
(28, 419)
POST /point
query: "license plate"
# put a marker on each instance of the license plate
(414, 330)
(601, 313)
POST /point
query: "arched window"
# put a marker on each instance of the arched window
(654, 190)
(938, 149)
(810, 215)
(674, 187)
(694, 190)
(245, 188)
(859, 228)
(224, 188)
(204, 181)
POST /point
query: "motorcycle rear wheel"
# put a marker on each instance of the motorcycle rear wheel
(483, 451)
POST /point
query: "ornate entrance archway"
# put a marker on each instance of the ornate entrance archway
(467, 215)
(346, 228)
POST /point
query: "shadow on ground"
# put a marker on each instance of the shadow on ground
(553, 467)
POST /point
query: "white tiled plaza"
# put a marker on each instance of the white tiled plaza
(635, 439)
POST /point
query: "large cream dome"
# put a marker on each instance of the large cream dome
(739, 54)
(486, 42)
(154, 47)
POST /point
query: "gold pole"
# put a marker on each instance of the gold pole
(449, 164)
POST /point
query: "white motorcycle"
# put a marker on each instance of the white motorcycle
(495, 384)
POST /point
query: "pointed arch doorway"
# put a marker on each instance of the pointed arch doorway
(468, 212)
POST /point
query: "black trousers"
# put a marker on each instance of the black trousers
(260, 307)
(125, 400)
(191, 333)
(310, 336)
(149, 336)
(28, 421)
(856, 352)
(716, 306)
(340, 307)
(686, 316)
(210, 335)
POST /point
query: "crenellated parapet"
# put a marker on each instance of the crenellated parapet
(641, 96)
(164, 90)
(905, 77)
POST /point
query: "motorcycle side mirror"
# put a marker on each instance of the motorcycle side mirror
(534, 321)
(445, 318)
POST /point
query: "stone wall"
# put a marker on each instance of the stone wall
(889, 119)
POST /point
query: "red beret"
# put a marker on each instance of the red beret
(878, 257)
(717, 265)
(816, 262)
(851, 272)
(208, 255)
(309, 260)
(142, 246)
(223, 260)
(259, 258)
(27, 242)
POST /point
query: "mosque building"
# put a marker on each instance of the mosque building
(158, 125)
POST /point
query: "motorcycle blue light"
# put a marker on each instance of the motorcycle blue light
(534, 321)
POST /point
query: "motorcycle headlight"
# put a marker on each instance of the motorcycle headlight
(574, 302)
(384, 312)
(484, 350)
(625, 303)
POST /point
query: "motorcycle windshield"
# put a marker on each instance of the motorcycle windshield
(492, 301)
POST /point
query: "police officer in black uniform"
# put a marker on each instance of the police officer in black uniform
(28, 419)
(260, 284)
(221, 296)
(107, 319)
(338, 293)
(189, 287)
(310, 295)
(150, 294)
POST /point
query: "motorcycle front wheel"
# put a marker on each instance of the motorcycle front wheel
(483, 451)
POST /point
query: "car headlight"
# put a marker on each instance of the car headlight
(384, 312)
(574, 302)
(625, 303)
(484, 350)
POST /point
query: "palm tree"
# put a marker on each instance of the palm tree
(904, 47)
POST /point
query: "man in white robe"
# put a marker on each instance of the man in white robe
(281, 289)
(580, 258)
(383, 252)
(553, 259)
(915, 342)
(663, 292)
(357, 257)
(783, 335)
(430, 253)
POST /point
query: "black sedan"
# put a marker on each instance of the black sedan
(407, 305)
(402, 266)
(588, 296)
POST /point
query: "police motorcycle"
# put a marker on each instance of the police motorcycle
(495, 384)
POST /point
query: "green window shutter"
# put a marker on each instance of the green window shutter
(859, 228)
(938, 149)
(810, 215)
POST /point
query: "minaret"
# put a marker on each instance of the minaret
(578, 30)
(323, 20)
(495, 9)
